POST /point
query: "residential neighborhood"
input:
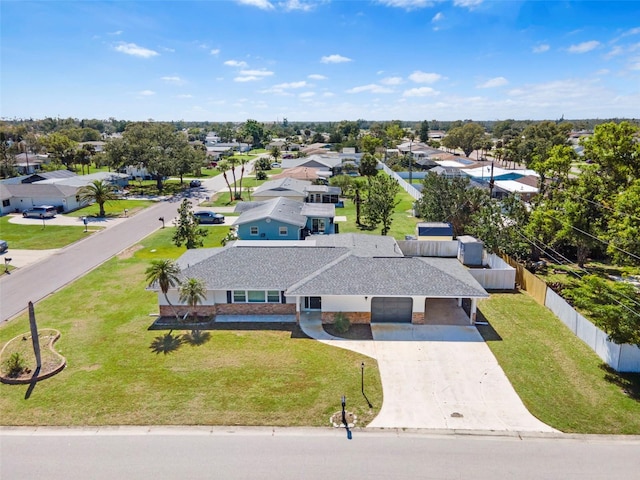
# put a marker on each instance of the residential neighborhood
(235, 235)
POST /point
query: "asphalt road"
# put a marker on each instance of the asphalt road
(308, 454)
(36, 281)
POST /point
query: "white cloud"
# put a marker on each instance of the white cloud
(116, 33)
(334, 59)
(420, 92)
(635, 64)
(215, 51)
(307, 94)
(423, 77)
(135, 50)
(167, 49)
(584, 47)
(467, 3)
(249, 78)
(236, 63)
(437, 17)
(291, 5)
(603, 71)
(407, 4)
(173, 80)
(261, 4)
(541, 48)
(372, 87)
(494, 82)
(185, 95)
(283, 86)
(391, 81)
(146, 93)
(328, 94)
(315, 76)
(256, 73)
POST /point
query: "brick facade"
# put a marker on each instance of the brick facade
(231, 309)
(417, 318)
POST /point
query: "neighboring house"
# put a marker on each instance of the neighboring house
(301, 190)
(284, 219)
(363, 277)
(119, 180)
(301, 173)
(40, 176)
(20, 197)
(27, 164)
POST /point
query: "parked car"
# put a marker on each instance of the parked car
(275, 165)
(4, 246)
(195, 183)
(41, 211)
(205, 216)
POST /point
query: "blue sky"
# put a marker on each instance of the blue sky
(323, 60)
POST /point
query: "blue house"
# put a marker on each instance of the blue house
(284, 219)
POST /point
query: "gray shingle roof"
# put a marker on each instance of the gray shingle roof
(353, 275)
(35, 190)
(279, 209)
(327, 210)
(281, 185)
(259, 268)
(361, 244)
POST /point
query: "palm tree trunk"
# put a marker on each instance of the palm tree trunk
(175, 312)
(226, 179)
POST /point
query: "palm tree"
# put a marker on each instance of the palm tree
(275, 153)
(100, 192)
(233, 163)
(223, 166)
(193, 291)
(165, 274)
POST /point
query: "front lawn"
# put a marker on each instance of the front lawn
(559, 378)
(118, 374)
(37, 237)
(114, 208)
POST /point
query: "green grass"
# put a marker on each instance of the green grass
(559, 378)
(222, 198)
(237, 377)
(37, 237)
(112, 209)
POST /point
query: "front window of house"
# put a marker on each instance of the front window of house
(256, 296)
(253, 230)
(283, 231)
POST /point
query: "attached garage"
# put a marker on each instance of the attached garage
(391, 309)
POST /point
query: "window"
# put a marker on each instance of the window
(283, 231)
(273, 296)
(239, 296)
(255, 296)
(6, 203)
(317, 225)
(253, 230)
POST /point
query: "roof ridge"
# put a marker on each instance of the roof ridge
(319, 271)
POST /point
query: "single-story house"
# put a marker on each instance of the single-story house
(299, 173)
(20, 197)
(300, 190)
(365, 278)
(119, 180)
(284, 219)
(41, 176)
(323, 194)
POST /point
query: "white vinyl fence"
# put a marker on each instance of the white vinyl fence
(622, 358)
(410, 189)
(429, 248)
(499, 276)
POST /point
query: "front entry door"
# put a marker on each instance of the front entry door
(313, 303)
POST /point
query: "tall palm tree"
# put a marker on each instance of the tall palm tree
(223, 166)
(165, 274)
(233, 163)
(275, 153)
(100, 192)
(193, 291)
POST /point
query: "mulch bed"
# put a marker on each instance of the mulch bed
(355, 332)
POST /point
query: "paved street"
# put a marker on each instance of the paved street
(282, 454)
(40, 279)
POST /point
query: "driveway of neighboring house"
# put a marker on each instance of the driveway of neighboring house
(438, 377)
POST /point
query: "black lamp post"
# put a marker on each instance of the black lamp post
(344, 417)
(162, 220)
(362, 385)
(7, 261)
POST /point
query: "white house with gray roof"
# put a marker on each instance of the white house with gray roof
(364, 277)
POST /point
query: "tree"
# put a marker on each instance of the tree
(223, 166)
(466, 137)
(188, 230)
(164, 273)
(624, 226)
(449, 200)
(253, 129)
(61, 148)
(369, 144)
(424, 132)
(193, 291)
(275, 153)
(99, 192)
(368, 166)
(555, 166)
(381, 201)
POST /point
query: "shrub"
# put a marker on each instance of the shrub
(342, 323)
(260, 175)
(15, 365)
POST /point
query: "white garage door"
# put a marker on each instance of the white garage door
(391, 309)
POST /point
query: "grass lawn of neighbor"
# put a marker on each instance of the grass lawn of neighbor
(117, 373)
(560, 380)
(114, 208)
(37, 237)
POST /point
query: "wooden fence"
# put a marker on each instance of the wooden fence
(534, 286)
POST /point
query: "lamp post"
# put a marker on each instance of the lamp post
(344, 417)
(86, 222)
(362, 385)
(7, 261)
(162, 220)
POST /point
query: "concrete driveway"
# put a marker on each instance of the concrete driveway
(438, 377)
